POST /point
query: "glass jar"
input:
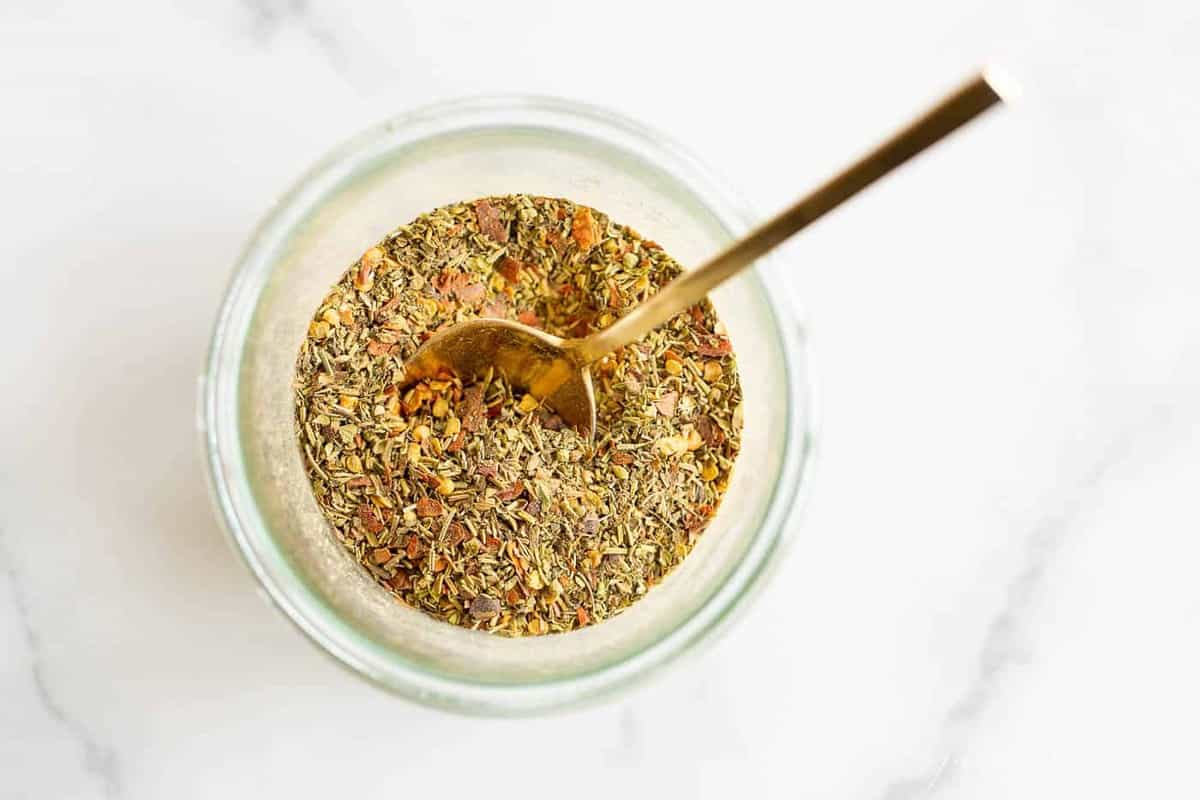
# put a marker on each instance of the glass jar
(385, 177)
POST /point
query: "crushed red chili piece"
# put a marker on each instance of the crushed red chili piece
(490, 224)
(366, 513)
(510, 268)
(378, 348)
(666, 403)
(428, 507)
(512, 492)
(583, 228)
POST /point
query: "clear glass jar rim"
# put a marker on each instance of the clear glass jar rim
(225, 468)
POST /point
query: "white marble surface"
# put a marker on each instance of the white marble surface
(993, 594)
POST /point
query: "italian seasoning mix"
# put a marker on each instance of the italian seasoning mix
(471, 501)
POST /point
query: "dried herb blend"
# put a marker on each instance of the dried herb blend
(472, 502)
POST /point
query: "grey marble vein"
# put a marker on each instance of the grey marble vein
(1003, 648)
(270, 17)
(99, 760)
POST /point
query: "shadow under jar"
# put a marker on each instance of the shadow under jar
(384, 178)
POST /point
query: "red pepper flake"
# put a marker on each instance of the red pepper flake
(427, 507)
(458, 533)
(510, 268)
(583, 228)
(513, 597)
(582, 328)
(366, 513)
(485, 469)
(511, 493)
(453, 283)
(496, 308)
(457, 443)
(381, 555)
(400, 582)
(581, 615)
(490, 224)
(715, 346)
(614, 294)
(650, 244)
(387, 308)
(697, 313)
(447, 281)
(440, 564)
(471, 293)
(666, 403)
(494, 411)
(529, 318)
(622, 458)
(413, 548)
(472, 408)
(364, 279)
(378, 348)
(709, 431)
(492, 545)
(358, 483)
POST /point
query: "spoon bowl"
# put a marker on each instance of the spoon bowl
(547, 366)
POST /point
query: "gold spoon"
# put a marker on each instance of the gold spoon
(555, 370)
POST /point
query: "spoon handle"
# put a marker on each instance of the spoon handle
(950, 113)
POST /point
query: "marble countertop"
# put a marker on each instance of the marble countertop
(992, 592)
